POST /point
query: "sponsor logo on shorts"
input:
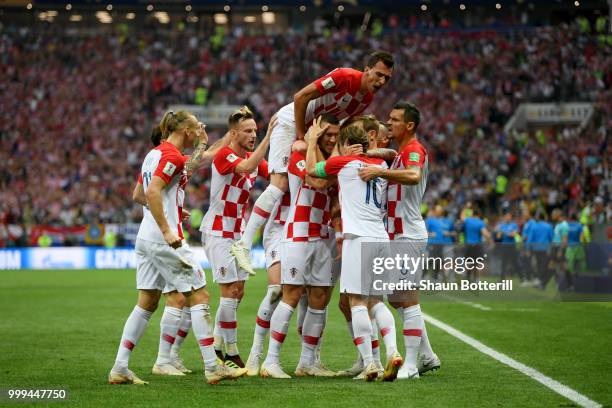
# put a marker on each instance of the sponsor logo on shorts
(273, 254)
(285, 160)
(293, 272)
(223, 270)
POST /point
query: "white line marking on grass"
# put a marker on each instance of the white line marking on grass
(554, 385)
(465, 302)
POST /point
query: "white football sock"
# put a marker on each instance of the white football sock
(413, 329)
(349, 324)
(311, 334)
(318, 349)
(228, 308)
(202, 330)
(264, 314)
(374, 337)
(263, 207)
(132, 332)
(218, 336)
(425, 349)
(278, 330)
(386, 324)
(169, 326)
(362, 328)
(183, 331)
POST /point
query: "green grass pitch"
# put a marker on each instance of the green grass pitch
(60, 329)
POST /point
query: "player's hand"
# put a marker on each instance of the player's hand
(186, 215)
(354, 150)
(272, 124)
(316, 131)
(201, 136)
(368, 173)
(172, 239)
(339, 242)
(299, 146)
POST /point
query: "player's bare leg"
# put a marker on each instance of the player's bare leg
(264, 314)
(312, 330)
(169, 327)
(231, 294)
(279, 325)
(262, 208)
(198, 301)
(132, 332)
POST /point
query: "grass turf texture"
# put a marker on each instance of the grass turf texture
(61, 329)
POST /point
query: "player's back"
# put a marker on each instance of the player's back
(167, 162)
(363, 204)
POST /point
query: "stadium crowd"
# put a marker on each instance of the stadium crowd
(76, 109)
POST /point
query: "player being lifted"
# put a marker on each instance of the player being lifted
(407, 180)
(234, 171)
(306, 261)
(365, 237)
(344, 92)
(162, 255)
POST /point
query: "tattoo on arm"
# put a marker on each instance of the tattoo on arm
(195, 158)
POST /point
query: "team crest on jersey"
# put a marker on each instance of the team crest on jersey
(328, 83)
(169, 169)
(301, 165)
(223, 270)
(293, 272)
(231, 157)
(414, 157)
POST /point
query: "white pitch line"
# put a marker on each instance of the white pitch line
(472, 304)
(554, 385)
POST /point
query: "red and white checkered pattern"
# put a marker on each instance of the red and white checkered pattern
(229, 195)
(404, 217)
(309, 214)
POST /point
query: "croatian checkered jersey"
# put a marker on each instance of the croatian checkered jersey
(362, 203)
(282, 209)
(404, 219)
(167, 162)
(340, 96)
(229, 194)
(309, 214)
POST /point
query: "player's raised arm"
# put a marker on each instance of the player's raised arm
(201, 143)
(206, 155)
(300, 103)
(314, 133)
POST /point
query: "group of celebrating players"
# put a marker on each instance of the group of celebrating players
(337, 197)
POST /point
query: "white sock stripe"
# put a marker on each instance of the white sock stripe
(315, 311)
(548, 382)
(144, 313)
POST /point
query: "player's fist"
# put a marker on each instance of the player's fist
(172, 239)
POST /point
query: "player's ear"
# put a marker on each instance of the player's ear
(410, 127)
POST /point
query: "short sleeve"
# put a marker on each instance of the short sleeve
(226, 161)
(170, 164)
(333, 165)
(333, 81)
(297, 165)
(140, 178)
(413, 155)
(262, 169)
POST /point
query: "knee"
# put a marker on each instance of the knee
(176, 300)
(148, 301)
(280, 181)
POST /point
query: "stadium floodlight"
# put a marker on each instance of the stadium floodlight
(341, 8)
(162, 17)
(498, 6)
(68, 6)
(76, 17)
(424, 7)
(192, 19)
(227, 8)
(302, 8)
(150, 7)
(268, 17)
(29, 6)
(577, 3)
(265, 8)
(250, 19)
(103, 17)
(220, 18)
(130, 16)
(109, 7)
(462, 7)
(188, 8)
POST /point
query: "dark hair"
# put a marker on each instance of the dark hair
(377, 56)
(156, 135)
(240, 115)
(329, 118)
(354, 135)
(173, 121)
(411, 112)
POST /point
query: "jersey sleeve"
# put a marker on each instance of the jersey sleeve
(333, 81)
(262, 169)
(140, 178)
(169, 165)
(413, 155)
(226, 161)
(297, 165)
(330, 167)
